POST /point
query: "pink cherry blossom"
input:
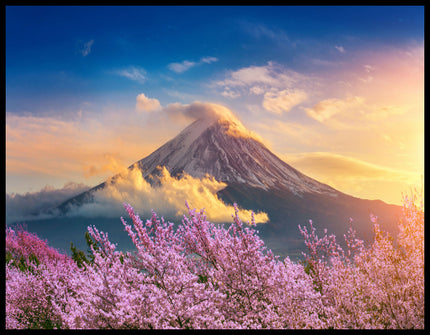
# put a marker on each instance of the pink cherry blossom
(201, 275)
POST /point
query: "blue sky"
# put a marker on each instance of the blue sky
(45, 46)
(312, 81)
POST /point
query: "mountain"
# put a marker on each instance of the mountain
(257, 179)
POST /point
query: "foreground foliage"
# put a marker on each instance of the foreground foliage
(201, 275)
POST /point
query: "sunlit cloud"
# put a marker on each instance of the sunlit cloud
(329, 108)
(109, 163)
(283, 101)
(205, 110)
(228, 93)
(146, 104)
(87, 148)
(93, 146)
(167, 199)
(352, 112)
(352, 175)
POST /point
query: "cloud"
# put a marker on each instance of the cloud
(368, 68)
(352, 112)
(273, 82)
(208, 60)
(340, 48)
(86, 48)
(186, 64)
(355, 176)
(181, 67)
(86, 148)
(147, 104)
(93, 145)
(327, 109)
(205, 110)
(167, 199)
(134, 73)
(42, 145)
(199, 110)
(108, 163)
(34, 205)
(335, 165)
(228, 93)
(261, 31)
(283, 101)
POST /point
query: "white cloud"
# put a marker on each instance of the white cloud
(146, 104)
(340, 48)
(260, 31)
(181, 67)
(258, 80)
(186, 64)
(86, 48)
(134, 73)
(208, 60)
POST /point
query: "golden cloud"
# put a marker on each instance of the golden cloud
(146, 104)
(283, 101)
(168, 198)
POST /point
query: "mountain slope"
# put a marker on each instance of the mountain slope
(257, 179)
(213, 147)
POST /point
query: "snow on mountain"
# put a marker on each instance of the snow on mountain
(227, 151)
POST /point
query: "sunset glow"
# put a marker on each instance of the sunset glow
(336, 92)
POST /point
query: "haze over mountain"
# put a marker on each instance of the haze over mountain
(218, 146)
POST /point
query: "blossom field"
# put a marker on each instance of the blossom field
(201, 275)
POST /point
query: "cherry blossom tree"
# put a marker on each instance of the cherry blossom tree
(200, 275)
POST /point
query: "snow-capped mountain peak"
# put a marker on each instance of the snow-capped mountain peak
(223, 148)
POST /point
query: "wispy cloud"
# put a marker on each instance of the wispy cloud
(186, 64)
(134, 73)
(262, 31)
(258, 80)
(208, 60)
(352, 112)
(340, 48)
(283, 101)
(181, 67)
(354, 176)
(85, 49)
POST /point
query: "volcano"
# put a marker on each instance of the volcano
(257, 179)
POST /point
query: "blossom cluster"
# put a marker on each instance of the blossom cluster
(200, 275)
